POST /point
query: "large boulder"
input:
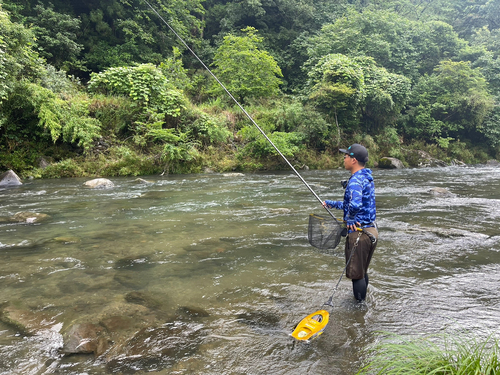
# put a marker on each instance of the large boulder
(9, 178)
(422, 159)
(99, 183)
(493, 163)
(390, 163)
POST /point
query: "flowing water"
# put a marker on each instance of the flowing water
(208, 274)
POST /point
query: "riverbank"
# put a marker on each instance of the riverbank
(112, 159)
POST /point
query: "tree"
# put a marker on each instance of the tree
(452, 102)
(356, 93)
(246, 70)
(112, 32)
(337, 87)
(56, 35)
(402, 46)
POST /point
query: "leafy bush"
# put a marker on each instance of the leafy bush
(34, 113)
(114, 112)
(207, 129)
(145, 85)
(257, 146)
(64, 168)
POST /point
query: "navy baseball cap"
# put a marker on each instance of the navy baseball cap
(360, 153)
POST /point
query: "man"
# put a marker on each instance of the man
(359, 212)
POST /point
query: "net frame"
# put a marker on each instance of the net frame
(324, 232)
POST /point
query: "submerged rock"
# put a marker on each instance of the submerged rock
(10, 178)
(25, 321)
(67, 239)
(29, 217)
(262, 319)
(99, 183)
(143, 181)
(441, 192)
(85, 338)
(134, 263)
(191, 312)
(155, 348)
(144, 299)
(390, 163)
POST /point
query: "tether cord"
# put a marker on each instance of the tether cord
(329, 302)
(241, 107)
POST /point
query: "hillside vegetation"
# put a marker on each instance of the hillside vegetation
(105, 88)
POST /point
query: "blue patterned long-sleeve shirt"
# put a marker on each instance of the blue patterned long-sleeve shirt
(359, 199)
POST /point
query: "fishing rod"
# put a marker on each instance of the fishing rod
(314, 324)
(240, 106)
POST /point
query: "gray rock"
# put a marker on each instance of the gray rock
(24, 320)
(99, 183)
(458, 163)
(233, 175)
(42, 163)
(440, 192)
(29, 217)
(155, 348)
(422, 159)
(390, 163)
(143, 181)
(493, 163)
(9, 178)
(85, 338)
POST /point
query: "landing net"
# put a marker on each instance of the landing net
(324, 232)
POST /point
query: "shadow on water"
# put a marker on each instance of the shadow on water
(210, 273)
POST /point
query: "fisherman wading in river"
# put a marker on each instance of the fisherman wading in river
(359, 212)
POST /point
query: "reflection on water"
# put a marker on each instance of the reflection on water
(210, 273)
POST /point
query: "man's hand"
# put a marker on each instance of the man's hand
(353, 226)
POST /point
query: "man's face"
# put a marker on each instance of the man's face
(349, 162)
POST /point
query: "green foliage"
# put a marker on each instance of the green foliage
(245, 69)
(33, 112)
(337, 82)
(64, 168)
(452, 102)
(350, 89)
(145, 85)
(208, 129)
(434, 355)
(398, 44)
(115, 113)
(17, 57)
(305, 120)
(257, 146)
(56, 35)
(389, 142)
(174, 71)
(177, 158)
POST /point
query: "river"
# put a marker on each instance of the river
(209, 273)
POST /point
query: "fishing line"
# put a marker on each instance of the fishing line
(240, 106)
(314, 324)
